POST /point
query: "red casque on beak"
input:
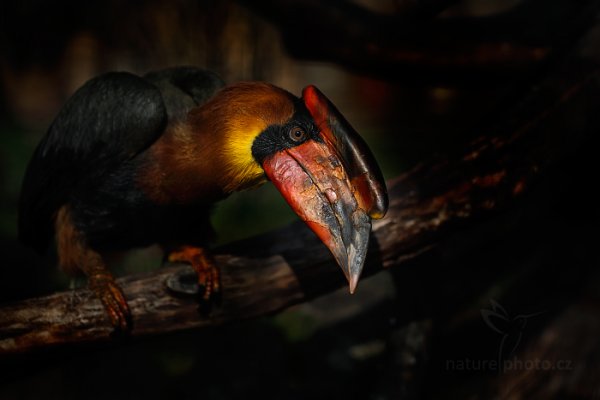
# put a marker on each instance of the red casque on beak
(334, 185)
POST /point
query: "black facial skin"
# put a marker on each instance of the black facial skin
(280, 137)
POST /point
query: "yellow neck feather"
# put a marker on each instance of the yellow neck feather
(243, 172)
(231, 120)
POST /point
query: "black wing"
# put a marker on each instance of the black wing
(183, 88)
(107, 121)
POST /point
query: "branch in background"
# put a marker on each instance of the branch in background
(402, 46)
(270, 272)
(423, 9)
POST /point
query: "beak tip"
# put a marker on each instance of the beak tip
(352, 283)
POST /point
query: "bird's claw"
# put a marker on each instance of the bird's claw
(208, 280)
(209, 290)
(113, 300)
(207, 273)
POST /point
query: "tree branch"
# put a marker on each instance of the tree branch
(408, 46)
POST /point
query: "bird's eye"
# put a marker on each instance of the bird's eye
(297, 134)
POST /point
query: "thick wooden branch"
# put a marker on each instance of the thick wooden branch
(268, 273)
(412, 45)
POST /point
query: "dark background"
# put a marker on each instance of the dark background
(418, 79)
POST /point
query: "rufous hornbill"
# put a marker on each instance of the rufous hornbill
(130, 161)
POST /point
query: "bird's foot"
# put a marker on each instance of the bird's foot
(111, 296)
(209, 279)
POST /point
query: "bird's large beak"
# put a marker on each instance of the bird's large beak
(333, 184)
(313, 181)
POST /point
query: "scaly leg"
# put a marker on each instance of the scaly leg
(201, 261)
(103, 284)
(75, 255)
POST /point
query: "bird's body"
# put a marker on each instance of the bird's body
(100, 182)
(131, 161)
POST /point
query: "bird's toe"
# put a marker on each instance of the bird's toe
(114, 302)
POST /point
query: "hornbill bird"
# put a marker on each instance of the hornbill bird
(131, 161)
